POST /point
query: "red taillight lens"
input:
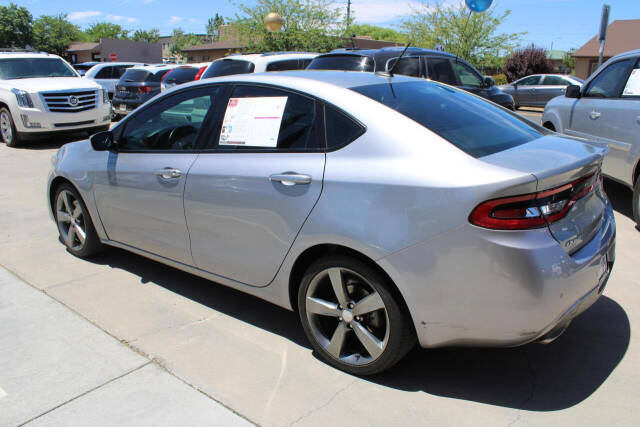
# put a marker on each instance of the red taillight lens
(533, 210)
(200, 73)
(144, 89)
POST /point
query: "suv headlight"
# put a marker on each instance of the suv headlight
(23, 97)
(105, 96)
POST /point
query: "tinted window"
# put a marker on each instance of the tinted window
(340, 129)
(171, 124)
(133, 75)
(104, 73)
(608, 83)
(555, 81)
(529, 81)
(181, 75)
(440, 69)
(409, 66)
(475, 126)
(226, 67)
(28, 68)
(289, 64)
(467, 75)
(343, 63)
(298, 125)
(119, 71)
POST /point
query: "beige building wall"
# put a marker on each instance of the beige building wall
(582, 67)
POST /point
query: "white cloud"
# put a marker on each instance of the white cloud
(120, 18)
(79, 16)
(175, 19)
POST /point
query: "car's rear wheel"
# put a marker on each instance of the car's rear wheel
(351, 316)
(10, 135)
(636, 203)
(74, 223)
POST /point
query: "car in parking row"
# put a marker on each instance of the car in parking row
(182, 74)
(137, 85)
(107, 74)
(538, 89)
(258, 63)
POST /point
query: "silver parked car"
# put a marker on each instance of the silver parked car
(384, 210)
(538, 89)
(607, 109)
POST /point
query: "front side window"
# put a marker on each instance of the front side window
(259, 117)
(439, 69)
(632, 86)
(555, 81)
(172, 124)
(30, 68)
(468, 76)
(227, 67)
(475, 126)
(407, 66)
(528, 81)
(343, 63)
(608, 83)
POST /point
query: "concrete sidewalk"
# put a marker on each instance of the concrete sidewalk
(56, 368)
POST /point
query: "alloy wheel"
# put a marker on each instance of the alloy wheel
(71, 220)
(347, 316)
(5, 127)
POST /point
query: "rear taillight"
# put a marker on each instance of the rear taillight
(200, 73)
(533, 210)
(144, 89)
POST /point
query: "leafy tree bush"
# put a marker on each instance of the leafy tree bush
(151, 36)
(54, 33)
(182, 41)
(500, 79)
(106, 30)
(526, 61)
(377, 33)
(15, 26)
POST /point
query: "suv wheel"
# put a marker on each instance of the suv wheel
(351, 317)
(10, 136)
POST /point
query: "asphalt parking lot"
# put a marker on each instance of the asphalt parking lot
(161, 329)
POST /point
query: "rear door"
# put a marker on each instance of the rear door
(525, 89)
(248, 196)
(440, 69)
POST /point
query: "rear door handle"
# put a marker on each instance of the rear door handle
(593, 115)
(290, 178)
(169, 173)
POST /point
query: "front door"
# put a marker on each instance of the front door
(139, 191)
(469, 79)
(247, 198)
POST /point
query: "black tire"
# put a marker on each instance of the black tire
(14, 140)
(636, 203)
(550, 126)
(91, 245)
(401, 337)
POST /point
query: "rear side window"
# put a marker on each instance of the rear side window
(555, 81)
(439, 69)
(119, 71)
(340, 129)
(105, 73)
(252, 116)
(632, 86)
(408, 66)
(475, 126)
(135, 75)
(343, 63)
(227, 67)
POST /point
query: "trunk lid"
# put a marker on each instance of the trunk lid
(557, 161)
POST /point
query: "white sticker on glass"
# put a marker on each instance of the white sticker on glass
(253, 122)
(632, 88)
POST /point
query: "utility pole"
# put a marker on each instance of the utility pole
(602, 34)
(348, 13)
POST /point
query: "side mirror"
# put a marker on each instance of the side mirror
(102, 141)
(573, 91)
(488, 81)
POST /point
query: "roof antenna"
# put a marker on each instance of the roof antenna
(393, 67)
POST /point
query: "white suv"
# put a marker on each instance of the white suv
(107, 74)
(42, 95)
(258, 63)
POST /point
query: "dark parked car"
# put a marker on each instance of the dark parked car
(182, 74)
(417, 62)
(136, 86)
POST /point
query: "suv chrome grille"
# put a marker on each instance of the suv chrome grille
(70, 101)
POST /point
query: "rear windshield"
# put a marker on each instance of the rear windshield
(227, 67)
(476, 126)
(181, 75)
(342, 63)
(28, 68)
(139, 76)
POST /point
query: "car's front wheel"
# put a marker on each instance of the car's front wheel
(636, 203)
(74, 223)
(10, 136)
(351, 316)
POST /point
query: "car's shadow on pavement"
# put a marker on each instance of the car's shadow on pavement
(621, 197)
(534, 377)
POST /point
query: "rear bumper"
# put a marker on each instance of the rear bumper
(124, 106)
(472, 286)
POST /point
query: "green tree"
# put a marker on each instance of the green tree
(213, 27)
(469, 35)
(54, 33)
(15, 26)
(310, 25)
(181, 41)
(106, 30)
(150, 36)
(377, 33)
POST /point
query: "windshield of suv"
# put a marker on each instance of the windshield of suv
(342, 63)
(227, 67)
(30, 68)
(476, 126)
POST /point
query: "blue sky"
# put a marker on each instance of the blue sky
(561, 23)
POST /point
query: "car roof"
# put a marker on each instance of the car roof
(383, 55)
(268, 56)
(155, 67)
(631, 53)
(27, 55)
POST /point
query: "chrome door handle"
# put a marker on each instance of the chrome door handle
(290, 178)
(594, 115)
(169, 173)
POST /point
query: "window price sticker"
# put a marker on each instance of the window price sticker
(632, 88)
(253, 122)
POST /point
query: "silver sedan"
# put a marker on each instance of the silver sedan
(385, 210)
(538, 89)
